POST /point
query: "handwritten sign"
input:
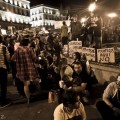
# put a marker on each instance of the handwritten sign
(75, 46)
(106, 55)
(65, 50)
(89, 53)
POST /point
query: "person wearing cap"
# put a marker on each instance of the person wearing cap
(109, 106)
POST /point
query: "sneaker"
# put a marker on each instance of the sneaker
(5, 105)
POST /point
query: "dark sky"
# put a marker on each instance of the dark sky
(111, 4)
(57, 3)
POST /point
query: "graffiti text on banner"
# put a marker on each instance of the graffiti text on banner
(65, 50)
(89, 52)
(75, 46)
(106, 55)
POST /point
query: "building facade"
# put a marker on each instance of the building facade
(14, 14)
(42, 15)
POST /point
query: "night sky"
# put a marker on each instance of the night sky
(109, 4)
(57, 3)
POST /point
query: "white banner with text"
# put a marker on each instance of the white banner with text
(106, 55)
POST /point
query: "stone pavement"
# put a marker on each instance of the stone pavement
(37, 110)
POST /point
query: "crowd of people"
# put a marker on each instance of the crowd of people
(38, 61)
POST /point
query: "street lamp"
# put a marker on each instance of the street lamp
(112, 15)
(92, 7)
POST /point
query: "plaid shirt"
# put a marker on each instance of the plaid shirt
(25, 63)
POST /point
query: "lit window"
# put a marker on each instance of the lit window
(20, 4)
(51, 11)
(27, 6)
(8, 18)
(21, 20)
(48, 11)
(24, 6)
(15, 2)
(6, 0)
(3, 18)
(44, 10)
(17, 20)
(11, 1)
(13, 19)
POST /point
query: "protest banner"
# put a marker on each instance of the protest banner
(106, 55)
(75, 46)
(65, 50)
(89, 53)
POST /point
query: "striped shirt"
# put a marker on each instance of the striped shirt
(2, 62)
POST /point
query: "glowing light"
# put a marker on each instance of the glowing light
(92, 7)
(83, 20)
(111, 15)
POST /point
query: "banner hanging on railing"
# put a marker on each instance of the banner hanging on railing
(106, 55)
(89, 53)
(75, 46)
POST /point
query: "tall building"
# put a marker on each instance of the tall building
(42, 15)
(14, 14)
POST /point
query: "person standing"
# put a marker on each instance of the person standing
(4, 55)
(25, 64)
(64, 33)
(76, 28)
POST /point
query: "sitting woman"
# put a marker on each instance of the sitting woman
(71, 108)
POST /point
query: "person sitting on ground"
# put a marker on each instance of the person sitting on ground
(109, 106)
(71, 108)
(76, 80)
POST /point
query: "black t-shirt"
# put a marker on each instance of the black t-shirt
(79, 78)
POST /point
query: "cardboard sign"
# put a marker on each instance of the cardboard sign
(65, 50)
(89, 53)
(75, 46)
(106, 55)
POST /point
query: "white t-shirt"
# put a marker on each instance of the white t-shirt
(60, 114)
